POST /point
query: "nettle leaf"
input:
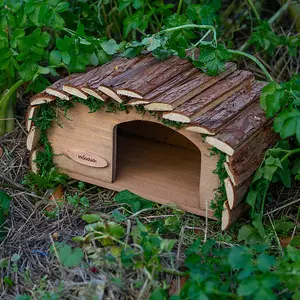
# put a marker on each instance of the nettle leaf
(69, 257)
(110, 47)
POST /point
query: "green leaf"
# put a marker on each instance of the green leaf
(167, 245)
(118, 216)
(257, 223)
(8, 281)
(134, 201)
(28, 70)
(159, 294)
(110, 47)
(213, 58)
(239, 257)
(265, 262)
(91, 218)
(69, 257)
(248, 287)
(289, 127)
(115, 230)
(62, 6)
(151, 43)
(55, 57)
(245, 231)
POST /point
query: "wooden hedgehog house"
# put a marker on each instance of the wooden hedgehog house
(138, 150)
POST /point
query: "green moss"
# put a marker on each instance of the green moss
(220, 193)
(43, 120)
(92, 103)
(64, 105)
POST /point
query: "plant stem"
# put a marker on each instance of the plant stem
(179, 6)
(235, 52)
(254, 9)
(4, 105)
(208, 27)
(279, 12)
(297, 150)
(253, 58)
(173, 272)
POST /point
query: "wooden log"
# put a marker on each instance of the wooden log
(41, 98)
(32, 162)
(248, 157)
(171, 98)
(211, 97)
(87, 84)
(239, 131)
(135, 68)
(229, 217)
(33, 138)
(56, 89)
(153, 75)
(235, 194)
(214, 120)
(31, 112)
(164, 89)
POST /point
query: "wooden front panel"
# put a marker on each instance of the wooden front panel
(177, 181)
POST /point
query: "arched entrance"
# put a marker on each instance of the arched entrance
(157, 162)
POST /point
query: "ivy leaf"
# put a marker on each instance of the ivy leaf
(110, 47)
(69, 257)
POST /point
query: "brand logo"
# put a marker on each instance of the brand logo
(83, 157)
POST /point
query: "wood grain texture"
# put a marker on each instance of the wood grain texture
(214, 120)
(239, 131)
(229, 217)
(235, 194)
(211, 97)
(56, 89)
(165, 88)
(41, 98)
(31, 112)
(154, 76)
(162, 182)
(249, 156)
(33, 138)
(32, 164)
(176, 95)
